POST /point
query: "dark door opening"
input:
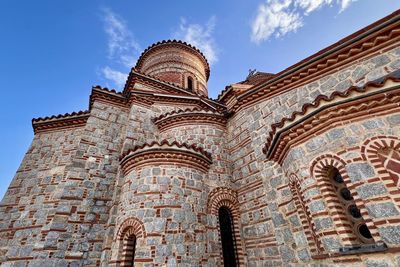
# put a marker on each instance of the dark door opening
(227, 237)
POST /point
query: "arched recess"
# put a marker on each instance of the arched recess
(190, 82)
(330, 173)
(226, 198)
(304, 214)
(383, 152)
(129, 234)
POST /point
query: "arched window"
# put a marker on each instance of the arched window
(227, 237)
(350, 208)
(129, 251)
(190, 83)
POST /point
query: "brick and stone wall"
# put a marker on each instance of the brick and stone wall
(272, 230)
(31, 210)
(149, 168)
(175, 62)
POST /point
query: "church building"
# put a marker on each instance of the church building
(296, 168)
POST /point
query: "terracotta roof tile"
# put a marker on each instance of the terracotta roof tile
(61, 116)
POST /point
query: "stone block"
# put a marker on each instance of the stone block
(378, 263)
(390, 234)
(359, 73)
(394, 119)
(382, 210)
(304, 255)
(287, 254)
(323, 223)
(380, 60)
(371, 190)
(315, 143)
(359, 171)
(278, 219)
(316, 206)
(331, 243)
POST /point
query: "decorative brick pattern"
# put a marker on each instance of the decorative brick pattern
(130, 232)
(143, 173)
(305, 216)
(225, 197)
(384, 153)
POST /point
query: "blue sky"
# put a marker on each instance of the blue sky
(52, 52)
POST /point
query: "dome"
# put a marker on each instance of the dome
(176, 62)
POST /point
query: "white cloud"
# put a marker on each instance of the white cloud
(115, 76)
(345, 4)
(279, 17)
(122, 45)
(274, 17)
(200, 36)
(123, 49)
(311, 5)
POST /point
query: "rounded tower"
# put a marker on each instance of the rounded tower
(176, 62)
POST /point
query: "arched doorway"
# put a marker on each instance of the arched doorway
(227, 237)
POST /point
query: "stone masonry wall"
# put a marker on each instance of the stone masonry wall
(91, 181)
(67, 180)
(32, 204)
(375, 195)
(262, 186)
(139, 130)
(212, 139)
(170, 201)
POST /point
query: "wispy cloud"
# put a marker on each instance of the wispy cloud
(279, 17)
(123, 48)
(201, 36)
(117, 77)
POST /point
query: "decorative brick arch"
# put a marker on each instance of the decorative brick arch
(225, 197)
(305, 215)
(131, 226)
(128, 234)
(383, 152)
(343, 228)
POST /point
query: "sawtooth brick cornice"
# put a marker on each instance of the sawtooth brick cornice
(164, 152)
(192, 116)
(60, 122)
(376, 96)
(188, 47)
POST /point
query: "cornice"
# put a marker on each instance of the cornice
(164, 152)
(135, 75)
(60, 122)
(375, 36)
(107, 96)
(188, 116)
(171, 89)
(355, 102)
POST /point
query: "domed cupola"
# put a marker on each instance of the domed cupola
(176, 62)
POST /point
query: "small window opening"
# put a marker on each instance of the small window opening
(364, 231)
(352, 211)
(227, 237)
(190, 83)
(130, 246)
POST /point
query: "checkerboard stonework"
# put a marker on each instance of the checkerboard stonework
(298, 168)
